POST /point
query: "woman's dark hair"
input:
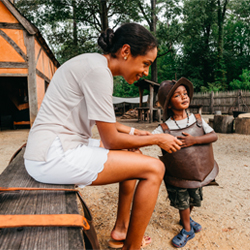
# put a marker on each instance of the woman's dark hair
(133, 34)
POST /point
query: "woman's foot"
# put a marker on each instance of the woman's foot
(119, 243)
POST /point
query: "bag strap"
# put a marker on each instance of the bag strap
(164, 127)
(198, 120)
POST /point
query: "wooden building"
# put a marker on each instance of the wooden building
(152, 107)
(26, 66)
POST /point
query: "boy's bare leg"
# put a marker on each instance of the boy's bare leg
(185, 219)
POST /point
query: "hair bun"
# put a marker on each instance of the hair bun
(105, 41)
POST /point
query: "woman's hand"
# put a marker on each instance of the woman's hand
(169, 143)
(187, 140)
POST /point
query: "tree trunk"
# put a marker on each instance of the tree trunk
(104, 15)
(220, 75)
(153, 29)
(75, 42)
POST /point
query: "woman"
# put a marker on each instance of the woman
(60, 149)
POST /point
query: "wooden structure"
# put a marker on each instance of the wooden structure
(26, 66)
(153, 90)
(242, 125)
(36, 203)
(195, 109)
(227, 102)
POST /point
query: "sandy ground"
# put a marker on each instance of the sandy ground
(224, 214)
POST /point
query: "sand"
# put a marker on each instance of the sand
(224, 214)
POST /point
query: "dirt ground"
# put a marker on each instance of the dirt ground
(224, 214)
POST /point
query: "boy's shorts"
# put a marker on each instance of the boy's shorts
(183, 198)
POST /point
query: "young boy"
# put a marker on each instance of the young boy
(192, 167)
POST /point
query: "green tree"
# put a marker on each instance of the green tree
(220, 76)
(237, 39)
(243, 83)
(72, 27)
(197, 57)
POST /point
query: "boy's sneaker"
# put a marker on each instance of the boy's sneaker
(181, 239)
(196, 226)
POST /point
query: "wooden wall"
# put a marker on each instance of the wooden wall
(45, 69)
(223, 101)
(13, 59)
(25, 54)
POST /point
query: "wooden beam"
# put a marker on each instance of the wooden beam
(15, 26)
(21, 123)
(25, 23)
(11, 65)
(14, 45)
(32, 88)
(151, 100)
(39, 53)
(39, 73)
(13, 74)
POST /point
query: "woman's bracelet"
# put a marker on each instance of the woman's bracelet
(132, 131)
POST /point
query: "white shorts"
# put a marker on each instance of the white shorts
(78, 166)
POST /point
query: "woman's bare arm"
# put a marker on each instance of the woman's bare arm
(112, 139)
(126, 129)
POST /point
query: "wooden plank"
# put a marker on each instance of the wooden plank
(12, 65)
(14, 26)
(14, 45)
(14, 99)
(36, 202)
(13, 74)
(22, 123)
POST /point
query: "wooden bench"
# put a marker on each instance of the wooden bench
(39, 202)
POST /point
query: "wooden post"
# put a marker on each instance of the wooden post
(140, 104)
(239, 99)
(32, 88)
(151, 88)
(212, 102)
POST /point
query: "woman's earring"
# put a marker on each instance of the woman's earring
(125, 58)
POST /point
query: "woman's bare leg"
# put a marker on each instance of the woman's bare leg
(126, 192)
(122, 166)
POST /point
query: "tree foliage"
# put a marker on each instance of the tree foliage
(206, 41)
(243, 83)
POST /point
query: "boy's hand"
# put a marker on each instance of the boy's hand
(170, 143)
(187, 140)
